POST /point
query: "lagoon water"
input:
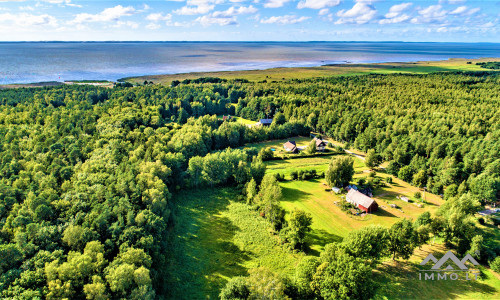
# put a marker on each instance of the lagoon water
(59, 61)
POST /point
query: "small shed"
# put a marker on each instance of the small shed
(265, 122)
(336, 190)
(362, 201)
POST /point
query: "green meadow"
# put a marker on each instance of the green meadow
(281, 74)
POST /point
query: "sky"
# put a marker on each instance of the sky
(250, 20)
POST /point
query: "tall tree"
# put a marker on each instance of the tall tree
(401, 239)
(340, 171)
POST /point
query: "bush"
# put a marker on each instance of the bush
(417, 195)
(236, 288)
(266, 154)
(279, 177)
(495, 264)
(481, 220)
(294, 175)
(388, 179)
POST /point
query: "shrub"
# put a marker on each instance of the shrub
(388, 179)
(417, 195)
(495, 264)
(236, 288)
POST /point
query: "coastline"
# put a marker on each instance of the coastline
(345, 69)
(286, 73)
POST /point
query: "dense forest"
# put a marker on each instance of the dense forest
(88, 175)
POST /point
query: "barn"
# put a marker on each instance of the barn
(362, 201)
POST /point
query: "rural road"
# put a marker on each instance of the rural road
(357, 155)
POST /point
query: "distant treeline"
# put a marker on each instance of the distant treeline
(493, 65)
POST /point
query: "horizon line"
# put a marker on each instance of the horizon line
(262, 41)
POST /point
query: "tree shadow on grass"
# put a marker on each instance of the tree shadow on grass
(202, 254)
(319, 237)
(383, 213)
(291, 194)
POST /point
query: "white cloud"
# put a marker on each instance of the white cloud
(29, 8)
(323, 12)
(396, 15)
(28, 20)
(133, 25)
(360, 13)
(194, 10)
(156, 17)
(233, 11)
(153, 26)
(430, 14)
(275, 3)
(452, 1)
(283, 20)
(395, 19)
(464, 11)
(197, 7)
(226, 17)
(107, 15)
(317, 4)
(221, 21)
(400, 7)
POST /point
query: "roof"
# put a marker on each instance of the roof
(319, 142)
(290, 145)
(360, 198)
(266, 121)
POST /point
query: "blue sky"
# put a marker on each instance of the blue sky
(251, 20)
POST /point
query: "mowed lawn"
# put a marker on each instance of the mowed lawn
(277, 145)
(330, 223)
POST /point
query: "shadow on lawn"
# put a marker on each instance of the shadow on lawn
(290, 194)
(319, 237)
(384, 213)
(202, 254)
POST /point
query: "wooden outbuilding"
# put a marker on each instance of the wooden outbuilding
(361, 201)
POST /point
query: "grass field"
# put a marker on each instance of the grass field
(280, 74)
(330, 223)
(216, 238)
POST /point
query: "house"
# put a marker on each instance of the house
(265, 122)
(291, 146)
(320, 144)
(361, 201)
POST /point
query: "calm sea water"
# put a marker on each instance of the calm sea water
(35, 62)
